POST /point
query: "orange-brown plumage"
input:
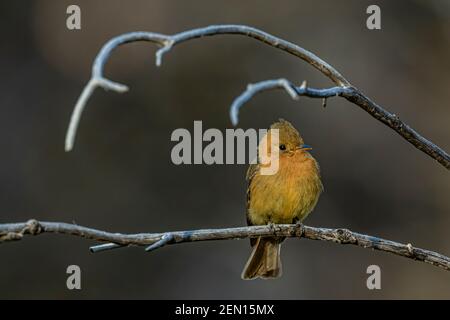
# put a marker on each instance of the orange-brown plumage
(287, 196)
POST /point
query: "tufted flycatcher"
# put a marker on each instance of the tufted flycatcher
(287, 196)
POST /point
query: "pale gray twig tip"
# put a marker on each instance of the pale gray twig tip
(303, 85)
(104, 247)
(162, 51)
(165, 239)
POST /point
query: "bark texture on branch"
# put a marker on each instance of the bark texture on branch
(153, 241)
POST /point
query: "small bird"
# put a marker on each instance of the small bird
(287, 196)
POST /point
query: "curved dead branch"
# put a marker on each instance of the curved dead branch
(166, 42)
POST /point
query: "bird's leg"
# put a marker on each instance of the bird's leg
(298, 224)
(272, 228)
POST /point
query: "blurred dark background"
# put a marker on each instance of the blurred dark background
(120, 178)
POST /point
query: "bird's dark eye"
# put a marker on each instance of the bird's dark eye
(282, 147)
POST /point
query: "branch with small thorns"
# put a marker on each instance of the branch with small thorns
(344, 88)
(153, 241)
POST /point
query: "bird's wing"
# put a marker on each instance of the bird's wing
(251, 172)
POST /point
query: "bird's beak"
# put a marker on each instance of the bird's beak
(305, 147)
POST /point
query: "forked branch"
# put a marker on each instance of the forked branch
(167, 42)
(153, 241)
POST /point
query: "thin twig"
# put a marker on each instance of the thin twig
(105, 247)
(351, 94)
(16, 231)
(167, 42)
(291, 89)
(167, 238)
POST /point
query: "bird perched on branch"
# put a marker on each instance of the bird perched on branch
(287, 196)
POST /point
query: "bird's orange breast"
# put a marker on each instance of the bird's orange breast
(288, 195)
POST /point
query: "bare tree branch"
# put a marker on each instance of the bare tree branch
(291, 89)
(152, 241)
(344, 88)
(166, 42)
(350, 93)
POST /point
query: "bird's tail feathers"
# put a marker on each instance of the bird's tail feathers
(265, 261)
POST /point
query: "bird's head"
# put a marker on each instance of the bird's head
(290, 140)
